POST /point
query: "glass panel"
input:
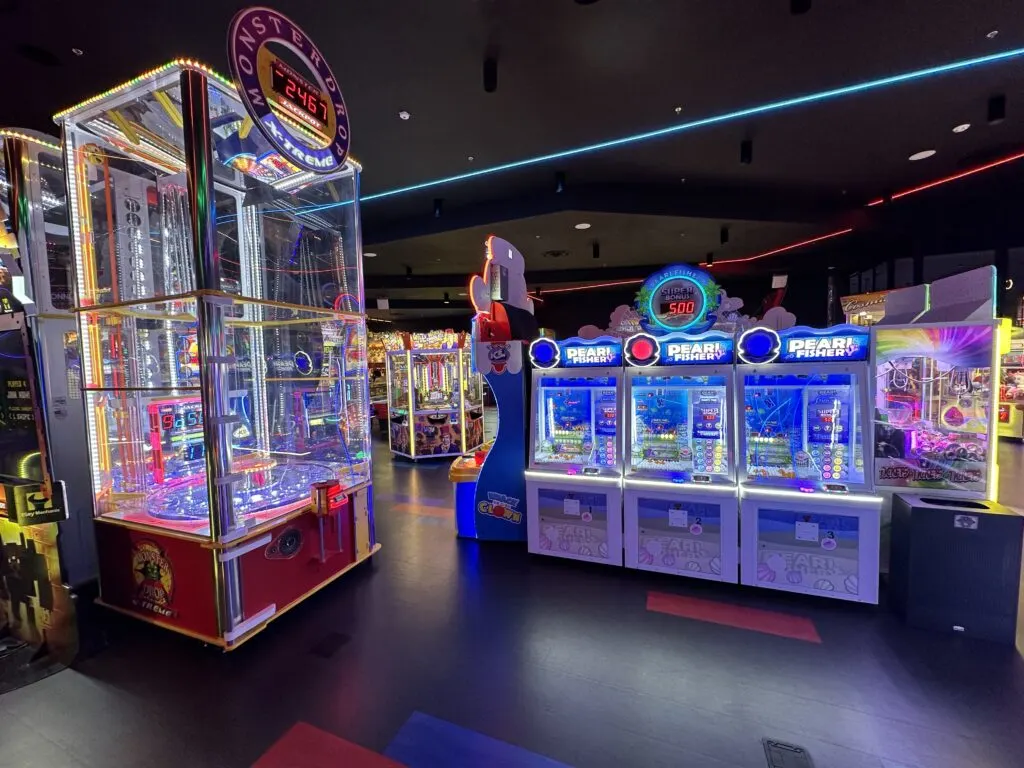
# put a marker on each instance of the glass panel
(133, 222)
(472, 383)
(20, 445)
(399, 384)
(932, 399)
(576, 422)
(679, 427)
(299, 243)
(803, 427)
(140, 365)
(58, 243)
(435, 378)
(297, 395)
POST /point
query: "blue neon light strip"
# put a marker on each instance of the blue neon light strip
(846, 90)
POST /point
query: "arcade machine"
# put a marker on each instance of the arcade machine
(215, 229)
(808, 520)
(39, 261)
(378, 345)
(680, 513)
(574, 483)
(1011, 388)
(434, 396)
(936, 389)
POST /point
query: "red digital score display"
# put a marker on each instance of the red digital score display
(298, 93)
(170, 421)
(679, 307)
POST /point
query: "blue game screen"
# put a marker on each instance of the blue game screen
(802, 426)
(577, 421)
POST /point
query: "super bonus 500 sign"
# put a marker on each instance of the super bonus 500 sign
(306, 121)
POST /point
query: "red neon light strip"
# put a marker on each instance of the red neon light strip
(589, 287)
(790, 247)
(535, 298)
(961, 175)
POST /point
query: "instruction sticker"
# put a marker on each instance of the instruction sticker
(572, 507)
(678, 518)
(806, 531)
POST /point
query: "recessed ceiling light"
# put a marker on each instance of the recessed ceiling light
(922, 155)
(583, 225)
(462, 294)
(679, 110)
(682, 180)
(537, 236)
(369, 255)
(682, 234)
(78, 51)
(470, 158)
(404, 115)
(993, 34)
(961, 128)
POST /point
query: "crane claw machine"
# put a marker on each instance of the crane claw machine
(809, 522)
(1011, 388)
(215, 230)
(435, 396)
(574, 479)
(680, 512)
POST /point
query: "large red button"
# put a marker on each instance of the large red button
(642, 349)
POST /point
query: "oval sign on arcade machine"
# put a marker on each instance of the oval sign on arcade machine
(809, 522)
(680, 512)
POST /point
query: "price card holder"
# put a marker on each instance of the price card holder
(571, 507)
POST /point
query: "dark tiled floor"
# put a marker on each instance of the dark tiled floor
(559, 658)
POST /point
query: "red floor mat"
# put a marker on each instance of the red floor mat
(304, 746)
(753, 619)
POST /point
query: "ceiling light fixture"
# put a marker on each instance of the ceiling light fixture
(993, 34)
(470, 158)
(591, 287)
(582, 225)
(367, 255)
(961, 128)
(746, 152)
(78, 51)
(447, 298)
(463, 294)
(774, 106)
(924, 154)
(679, 110)
(404, 115)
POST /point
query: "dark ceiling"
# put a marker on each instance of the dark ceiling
(570, 74)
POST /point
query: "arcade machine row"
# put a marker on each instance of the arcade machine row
(223, 337)
(1011, 388)
(808, 520)
(39, 262)
(574, 480)
(680, 513)
(435, 396)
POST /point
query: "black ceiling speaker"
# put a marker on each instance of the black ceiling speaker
(595, 250)
(723, 235)
(585, 2)
(799, 7)
(996, 109)
(559, 182)
(491, 74)
(408, 271)
(710, 258)
(438, 207)
(447, 298)
(746, 151)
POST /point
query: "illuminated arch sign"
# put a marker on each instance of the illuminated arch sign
(602, 352)
(712, 348)
(678, 298)
(838, 344)
(297, 103)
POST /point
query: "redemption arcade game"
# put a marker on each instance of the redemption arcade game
(680, 513)
(1011, 388)
(574, 483)
(808, 521)
(435, 396)
(39, 261)
(223, 334)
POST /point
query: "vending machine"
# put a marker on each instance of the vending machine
(574, 480)
(808, 518)
(680, 510)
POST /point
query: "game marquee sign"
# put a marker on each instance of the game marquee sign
(602, 352)
(678, 298)
(840, 343)
(711, 348)
(296, 104)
